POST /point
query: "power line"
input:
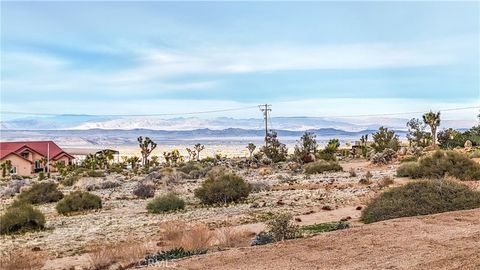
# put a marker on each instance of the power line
(265, 108)
(398, 113)
(128, 115)
(227, 110)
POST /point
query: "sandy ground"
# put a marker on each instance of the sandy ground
(442, 241)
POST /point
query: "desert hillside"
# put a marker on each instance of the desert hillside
(441, 241)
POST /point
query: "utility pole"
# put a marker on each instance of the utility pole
(265, 108)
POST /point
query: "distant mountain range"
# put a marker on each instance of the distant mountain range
(91, 130)
(86, 122)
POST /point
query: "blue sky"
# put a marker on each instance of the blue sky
(306, 59)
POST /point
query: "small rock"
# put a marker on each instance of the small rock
(358, 208)
(327, 207)
(297, 219)
(36, 249)
(280, 202)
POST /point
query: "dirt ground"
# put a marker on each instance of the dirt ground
(442, 241)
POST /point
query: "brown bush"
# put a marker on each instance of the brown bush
(230, 237)
(25, 259)
(196, 237)
(385, 182)
(126, 254)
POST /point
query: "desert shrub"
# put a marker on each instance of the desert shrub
(221, 186)
(384, 157)
(259, 186)
(281, 228)
(102, 185)
(70, 179)
(14, 187)
(165, 203)
(385, 138)
(21, 217)
(41, 176)
(166, 255)
(193, 169)
(385, 182)
(409, 159)
(475, 154)
(91, 173)
(352, 173)
(421, 198)
(78, 201)
(274, 150)
(409, 169)
(143, 191)
(322, 166)
(22, 260)
(325, 227)
(441, 163)
(41, 193)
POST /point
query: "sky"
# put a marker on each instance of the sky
(306, 59)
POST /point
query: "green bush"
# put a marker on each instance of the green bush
(325, 227)
(421, 198)
(221, 186)
(439, 164)
(165, 203)
(281, 228)
(166, 255)
(41, 176)
(322, 166)
(78, 201)
(21, 217)
(70, 179)
(41, 193)
(95, 174)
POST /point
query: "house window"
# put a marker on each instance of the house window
(38, 164)
(13, 170)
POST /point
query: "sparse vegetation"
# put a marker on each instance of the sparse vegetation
(281, 227)
(22, 260)
(439, 164)
(143, 191)
(274, 150)
(78, 201)
(322, 166)
(325, 227)
(221, 186)
(385, 138)
(175, 253)
(165, 203)
(421, 198)
(21, 217)
(38, 193)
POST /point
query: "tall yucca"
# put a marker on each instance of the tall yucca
(433, 120)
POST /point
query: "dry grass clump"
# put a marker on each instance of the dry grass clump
(322, 166)
(385, 182)
(198, 237)
(265, 171)
(228, 237)
(126, 254)
(25, 259)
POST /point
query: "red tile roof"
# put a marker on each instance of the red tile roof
(41, 147)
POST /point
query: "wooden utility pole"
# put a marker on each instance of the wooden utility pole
(265, 109)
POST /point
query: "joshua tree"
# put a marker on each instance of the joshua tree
(199, 147)
(90, 161)
(105, 156)
(384, 138)
(306, 145)
(274, 150)
(433, 120)
(154, 161)
(191, 154)
(251, 147)
(134, 162)
(6, 167)
(146, 147)
(417, 136)
(364, 146)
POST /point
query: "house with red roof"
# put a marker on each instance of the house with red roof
(31, 156)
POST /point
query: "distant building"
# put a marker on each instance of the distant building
(31, 156)
(81, 153)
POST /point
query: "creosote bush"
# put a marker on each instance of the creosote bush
(78, 201)
(221, 186)
(281, 227)
(322, 166)
(21, 217)
(38, 193)
(165, 203)
(440, 164)
(421, 198)
(144, 191)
